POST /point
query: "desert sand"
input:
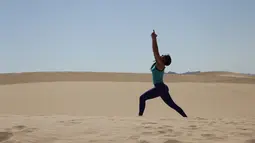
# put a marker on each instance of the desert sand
(77, 107)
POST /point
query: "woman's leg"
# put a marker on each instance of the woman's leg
(150, 94)
(169, 101)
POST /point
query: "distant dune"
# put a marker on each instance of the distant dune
(29, 77)
(211, 72)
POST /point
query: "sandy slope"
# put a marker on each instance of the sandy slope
(100, 112)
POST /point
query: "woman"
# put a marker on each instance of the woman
(160, 89)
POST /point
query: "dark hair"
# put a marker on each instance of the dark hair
(167, 59)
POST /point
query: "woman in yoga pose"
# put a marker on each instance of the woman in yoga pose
(160, 89)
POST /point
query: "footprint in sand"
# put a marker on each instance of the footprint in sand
(143, 141)
(99, 141)
(200, 118)
(5, 136)
(134, 137)
(71, 122)
(193, 127)
(165, 130)
(208, 135)
(173, 134)
(165, 126)
(212, 136)
(22, 129)
(148, 127)
(19, 127)
(245, 133)
(250, 141)
(149, 123)
(76, 121)
(147, 133)
(172, 141)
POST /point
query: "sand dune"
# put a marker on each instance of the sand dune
(28, 77)
(78, 107)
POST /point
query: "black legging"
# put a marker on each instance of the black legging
(161, 90)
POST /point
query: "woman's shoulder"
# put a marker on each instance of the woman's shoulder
(154, 67)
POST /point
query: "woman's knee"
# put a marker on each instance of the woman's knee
(166, 88)
(142, 98)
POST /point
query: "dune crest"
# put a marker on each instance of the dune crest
(208, 77)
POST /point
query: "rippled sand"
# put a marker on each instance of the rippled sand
(80, 129)
(106, 112)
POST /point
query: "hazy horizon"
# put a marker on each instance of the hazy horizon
(114, 36)
(168, 72)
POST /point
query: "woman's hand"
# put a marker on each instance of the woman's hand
(154, 35)
(159, 63)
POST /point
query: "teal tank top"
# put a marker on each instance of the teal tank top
(157, 75)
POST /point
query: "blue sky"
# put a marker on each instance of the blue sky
(114, 35)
